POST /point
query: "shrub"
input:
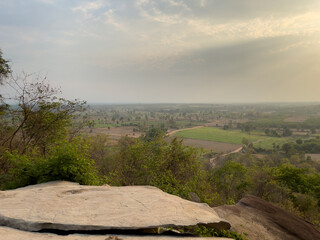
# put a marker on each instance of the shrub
(66, 161)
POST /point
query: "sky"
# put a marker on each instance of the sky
(168, 51)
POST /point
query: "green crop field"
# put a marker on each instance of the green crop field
(231, 136)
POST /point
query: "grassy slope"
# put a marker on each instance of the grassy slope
(231, 136)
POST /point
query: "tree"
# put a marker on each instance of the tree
(5, 69)
(294, 178)
(267, 131)
(37, 136)
(38, 118)
(153, 134)
(230, 181)
(170, 166)
(287, 132)
(245, 142)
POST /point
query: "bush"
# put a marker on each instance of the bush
(67, 161)
(211, 232)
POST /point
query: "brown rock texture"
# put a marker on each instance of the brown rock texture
(264, 221)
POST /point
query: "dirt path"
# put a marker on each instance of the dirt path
(210, 124)
(212, 163)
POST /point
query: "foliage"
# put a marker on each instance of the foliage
(39, 119)
(5, 69)
(295, 178)
(230, 182)
(38, 142)
(66, 161)
(286, 132)
(299, 147)
(292, 183)
(169, 166)
(101, 151)
(153, 134)
(212, 232)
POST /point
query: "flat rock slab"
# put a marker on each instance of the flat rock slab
(71, 207)
(13, 234)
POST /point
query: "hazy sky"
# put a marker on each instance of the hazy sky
(168, 50)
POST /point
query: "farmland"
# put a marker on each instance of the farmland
(219, 147)
(259, 139)
(215, 127)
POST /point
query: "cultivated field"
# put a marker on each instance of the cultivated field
(217, 135)
(219, 147)
(115, 133)
(230, 136)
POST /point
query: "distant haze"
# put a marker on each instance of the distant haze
(168, 50)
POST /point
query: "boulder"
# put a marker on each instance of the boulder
(71, 207)
(258, 219)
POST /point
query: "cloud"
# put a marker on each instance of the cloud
(259, 27)
(233, 10)
(203, 3)
(87, 8)
(176, 29)
(111, 20)
(272, 69)
(45, 1)
(162, 11)
(186, 49)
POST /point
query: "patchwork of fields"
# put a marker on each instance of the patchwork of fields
(259, 139)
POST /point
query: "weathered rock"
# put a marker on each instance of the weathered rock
(69, 206)
(13, 234)
(194, 197)
(264, 221)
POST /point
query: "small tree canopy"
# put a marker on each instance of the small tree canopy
(5, 69)
(38, 118)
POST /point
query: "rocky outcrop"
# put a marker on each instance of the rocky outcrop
(261, 220)
(69, 206)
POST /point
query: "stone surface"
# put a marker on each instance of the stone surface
(194, 197)
(13, 234)
(70, 206)
(264, 221)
